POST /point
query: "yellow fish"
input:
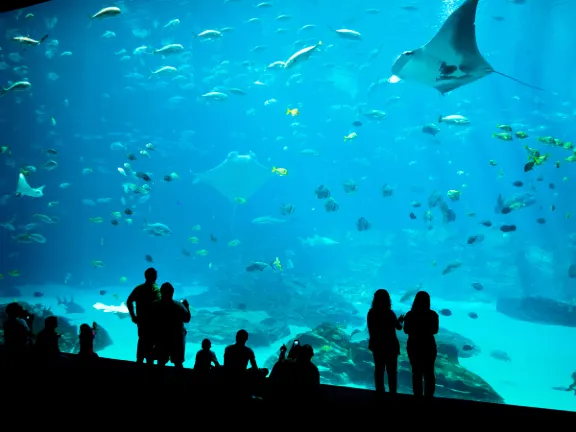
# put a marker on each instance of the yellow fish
(276, 263)
(350, 136)
(193, 240)
(293, 112)
(280, 171)
(240, 200)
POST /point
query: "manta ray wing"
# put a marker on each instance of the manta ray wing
(451, 59)
(239, 176)
(23, 187)
(455, 50)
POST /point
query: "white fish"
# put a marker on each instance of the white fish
(455, 119)
(172, 23)
(24, 189)
(165, 70)
(277, 65)
(107, 12)
(348, 34)
(318, 241)
(169, 49)
(25, 40)
(121, 311)
(17, 86)
(209, 34)
(301, 55)
(215, 96)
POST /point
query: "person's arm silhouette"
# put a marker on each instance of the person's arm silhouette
(435, 324)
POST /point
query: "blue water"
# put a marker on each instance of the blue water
(101, 94)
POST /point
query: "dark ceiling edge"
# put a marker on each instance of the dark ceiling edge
(11, 5)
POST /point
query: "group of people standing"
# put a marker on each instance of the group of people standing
(420, 324)
(162, 335)
(160, 320)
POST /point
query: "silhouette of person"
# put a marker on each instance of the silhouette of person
(47, 340)
(237, 356)
(236, 359)
(86, 339)
(383, 342)
(17, 330)
(295, 377)
(421, 324)
(205, 358)
(144, 296)
(170, 334)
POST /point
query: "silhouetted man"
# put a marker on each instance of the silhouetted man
(144, 296)
(170, 334)
(237, 356)
(236, 359)
(47, 340)
(17, 330)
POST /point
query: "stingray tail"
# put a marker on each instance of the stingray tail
(518, 81)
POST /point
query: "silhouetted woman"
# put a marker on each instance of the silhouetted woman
(421, 324)
(382, 326)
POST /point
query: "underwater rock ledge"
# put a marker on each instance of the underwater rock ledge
(346, 363)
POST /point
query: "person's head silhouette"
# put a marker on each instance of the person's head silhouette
(381, 300)
(167, 291)
(51, 323)
(421, 302)
(241, 337)
(151, 275)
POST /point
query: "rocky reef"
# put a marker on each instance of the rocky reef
(69, 331)
(346, 363)
(221, 327)
(541, 310)
(289, 299)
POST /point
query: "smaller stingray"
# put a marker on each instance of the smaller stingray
(24, 189)
(239, 176)
(451, 59)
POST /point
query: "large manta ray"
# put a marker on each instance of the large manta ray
(239, 176)
(451, 59)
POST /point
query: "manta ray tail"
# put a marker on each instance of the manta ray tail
(518, 81)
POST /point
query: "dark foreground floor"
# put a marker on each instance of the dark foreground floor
(114, 392)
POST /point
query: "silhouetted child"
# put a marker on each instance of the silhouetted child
(383, 342)
(47, 340)
(87, 336)
(205, 357)
(421, 324)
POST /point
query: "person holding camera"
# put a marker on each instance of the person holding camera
(17, 330)
(295, 377)
(169, 319)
